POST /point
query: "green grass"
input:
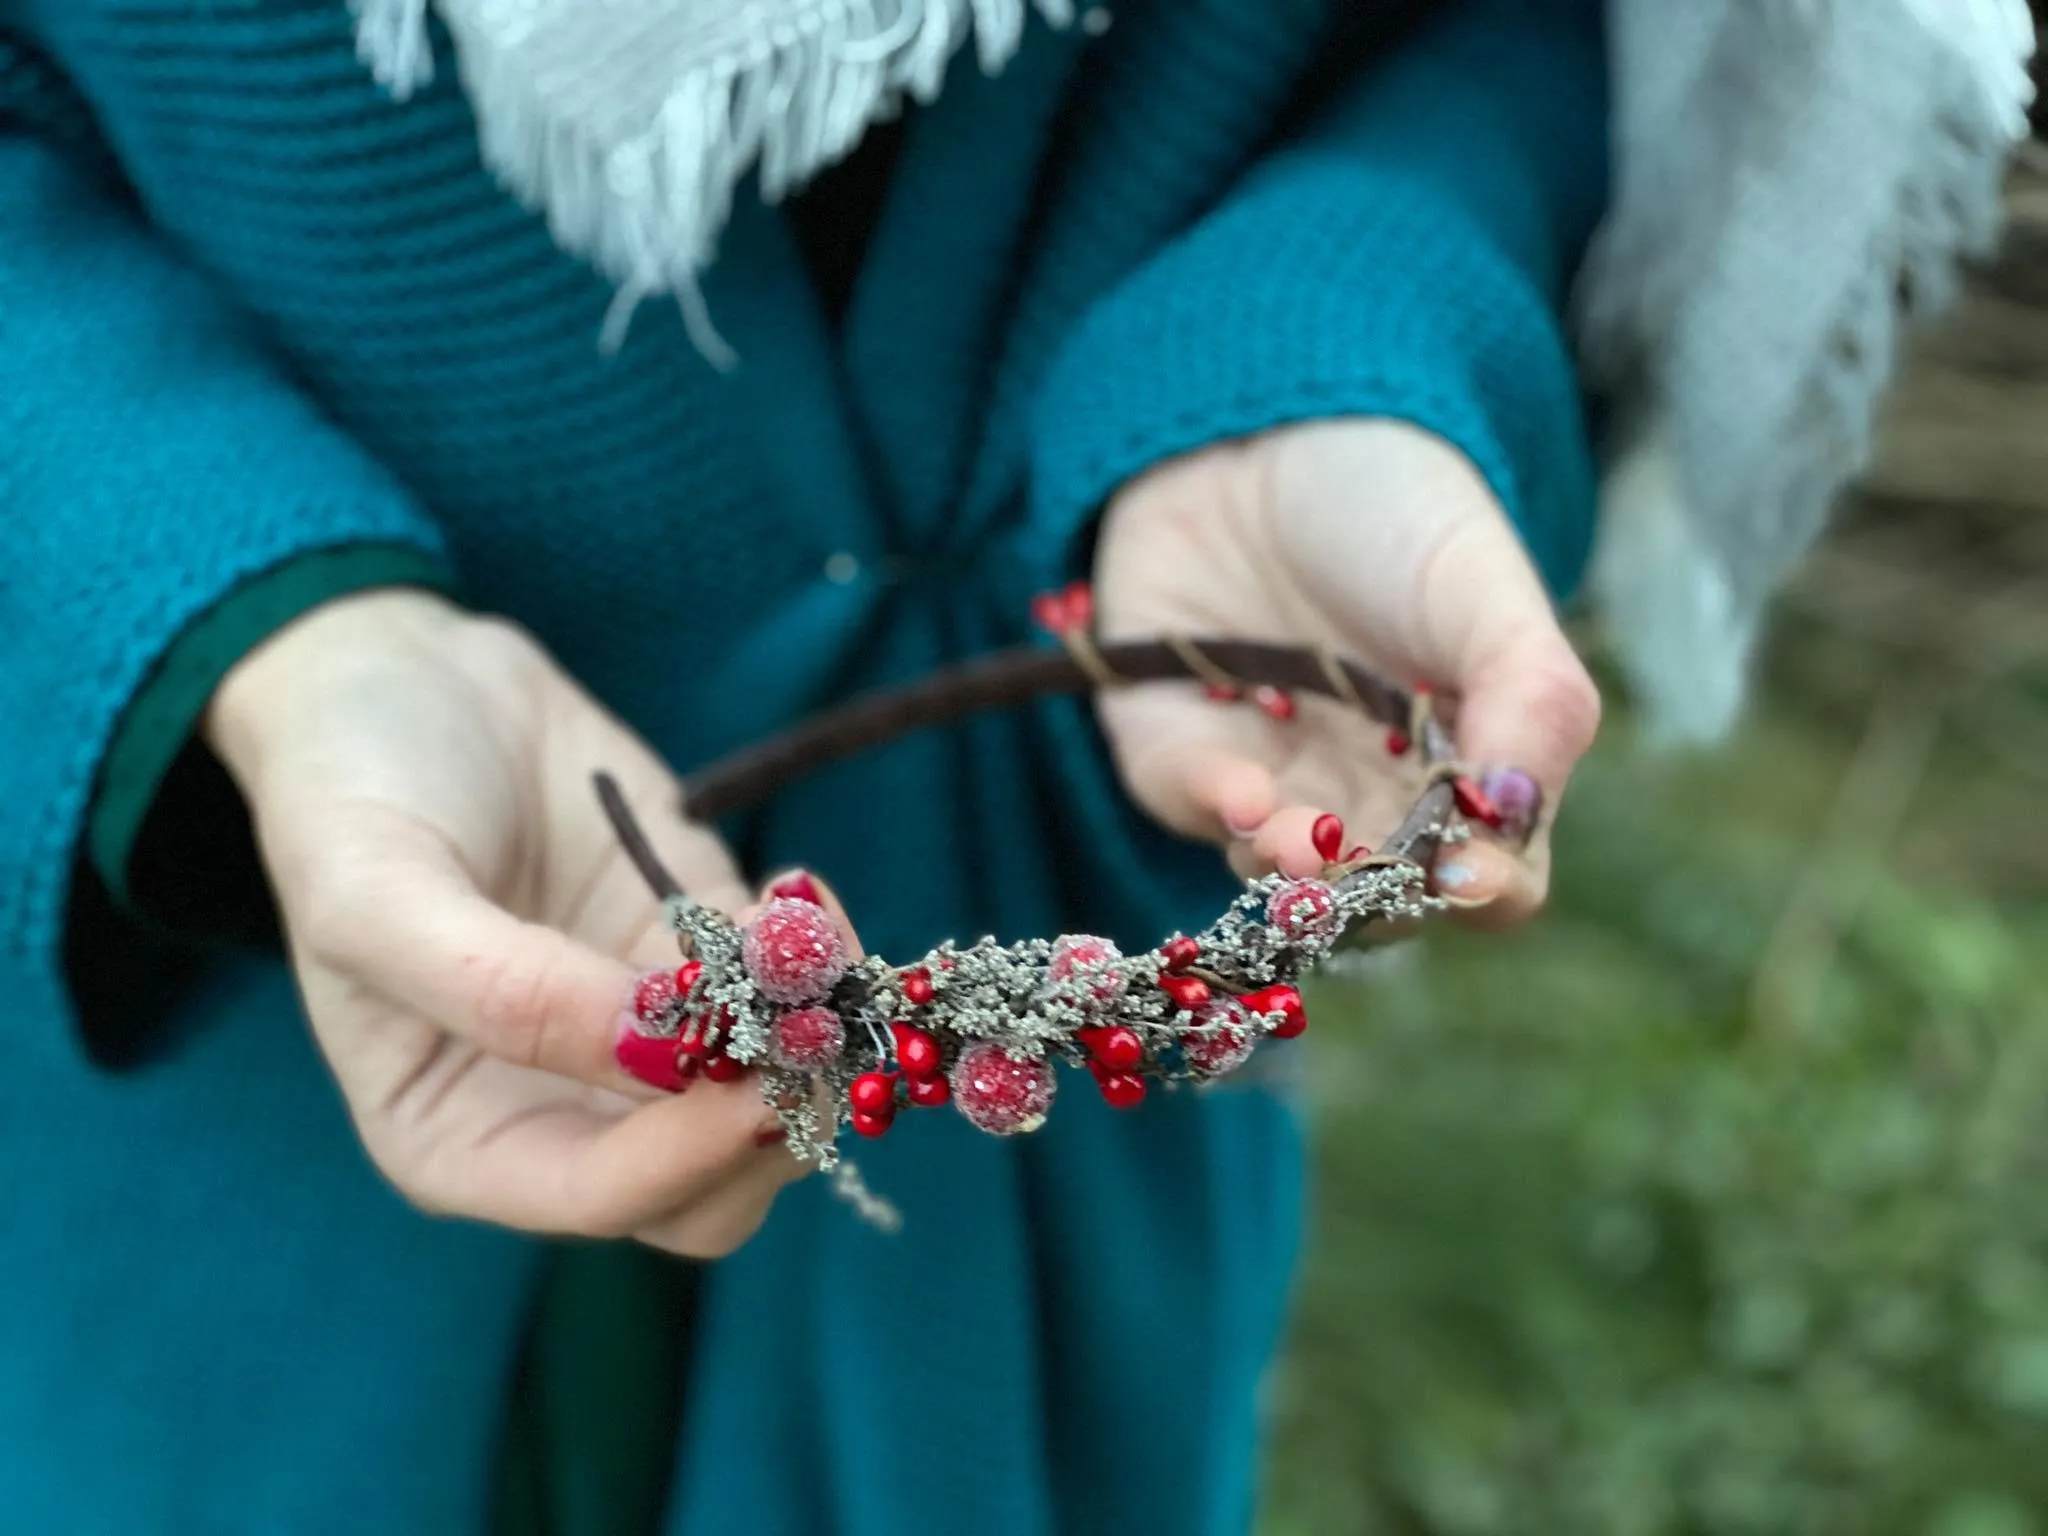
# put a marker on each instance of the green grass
(1716, 1202)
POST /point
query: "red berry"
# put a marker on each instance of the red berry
(1091, 969)
(929, 1092)
(1049, 612)
(1221, 1039)
(1079, 599)
(1285, 1001)
(1303, 909)
(1328, 837)
(652, 995)
(1002, 1093)
(1398, 743)
(1116, 1047)
(1179, 954)
(1122, 1090)
(917, 987)
(873, 1093)
(807, 1040)
(793, 951)
(1474, 802)
(1220, 693)
(872, 1125)
(723, 1069)
(686, 976)
(1276, 702)
(917, 1053)
(798, 887)
(1186, 991)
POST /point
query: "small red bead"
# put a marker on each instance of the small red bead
(652, 995)
(872, 1125)
(723, 1069)
(1221, 693)
(873, 1093)
(1115, 1046)
(1186, 991)
(1276, 702)
(916, 1052)
(1285, 1001)
(1398, 743)
(687, 974)
(1474, 802)
(1122, 1090)
(929, 1092)
(1180, 953)
(1079, 599)
(798, 887)
(917, 988)
(1328, 837)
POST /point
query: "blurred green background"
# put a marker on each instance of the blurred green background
(1717, 1203)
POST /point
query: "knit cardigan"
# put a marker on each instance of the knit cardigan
(266, 336)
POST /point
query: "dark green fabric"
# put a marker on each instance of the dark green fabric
(161, 717)
(597, 1402)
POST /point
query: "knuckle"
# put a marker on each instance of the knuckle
(512, 1005)
(1565, 705)
(327, 916)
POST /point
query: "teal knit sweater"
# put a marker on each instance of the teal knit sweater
(266, 336)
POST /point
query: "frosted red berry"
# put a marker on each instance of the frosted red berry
(653, 994)
(1303, 909)
(1117, 1047)
(1090, 969)
(1002, 1093)
(1179, 954)
(917, 1053)
(1122, 1090)
(873, 1093)
(917, 987)
(1221, 1037)
(793, 952)
(1328, 837)
(928, 1092)
(806, 1040)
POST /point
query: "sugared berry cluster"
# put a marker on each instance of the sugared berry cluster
(983, 1028)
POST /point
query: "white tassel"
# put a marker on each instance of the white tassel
(632, 132)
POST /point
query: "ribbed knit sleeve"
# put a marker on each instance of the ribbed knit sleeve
(153, 458)
(1406, 255)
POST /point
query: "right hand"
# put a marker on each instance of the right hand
(466, 931)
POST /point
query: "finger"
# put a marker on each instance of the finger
(397, 913)
(1203, 770)
(722, 1221)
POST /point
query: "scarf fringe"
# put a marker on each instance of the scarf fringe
(1691, 545)
(644, 202)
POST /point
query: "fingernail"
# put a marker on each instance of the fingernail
(650, 1058)
(1455, 877)
(771, 1136)
(1517, 797)
(1242, 826)
(798, 885)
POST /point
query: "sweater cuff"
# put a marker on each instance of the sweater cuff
(159, 722)
(1263, 318)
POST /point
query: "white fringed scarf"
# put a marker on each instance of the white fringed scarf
(1794, 179)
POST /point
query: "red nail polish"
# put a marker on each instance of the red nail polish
(798, 886)
(771, 1136)
(650, 1059)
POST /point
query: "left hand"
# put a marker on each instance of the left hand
(1381, 541)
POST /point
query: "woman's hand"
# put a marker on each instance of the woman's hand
(1381, 541)
(466, 932)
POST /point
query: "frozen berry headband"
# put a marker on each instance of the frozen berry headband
(983, 1026)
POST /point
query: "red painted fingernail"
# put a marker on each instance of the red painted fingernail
(651, 1059)
(798, 886)
(769, 1137)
